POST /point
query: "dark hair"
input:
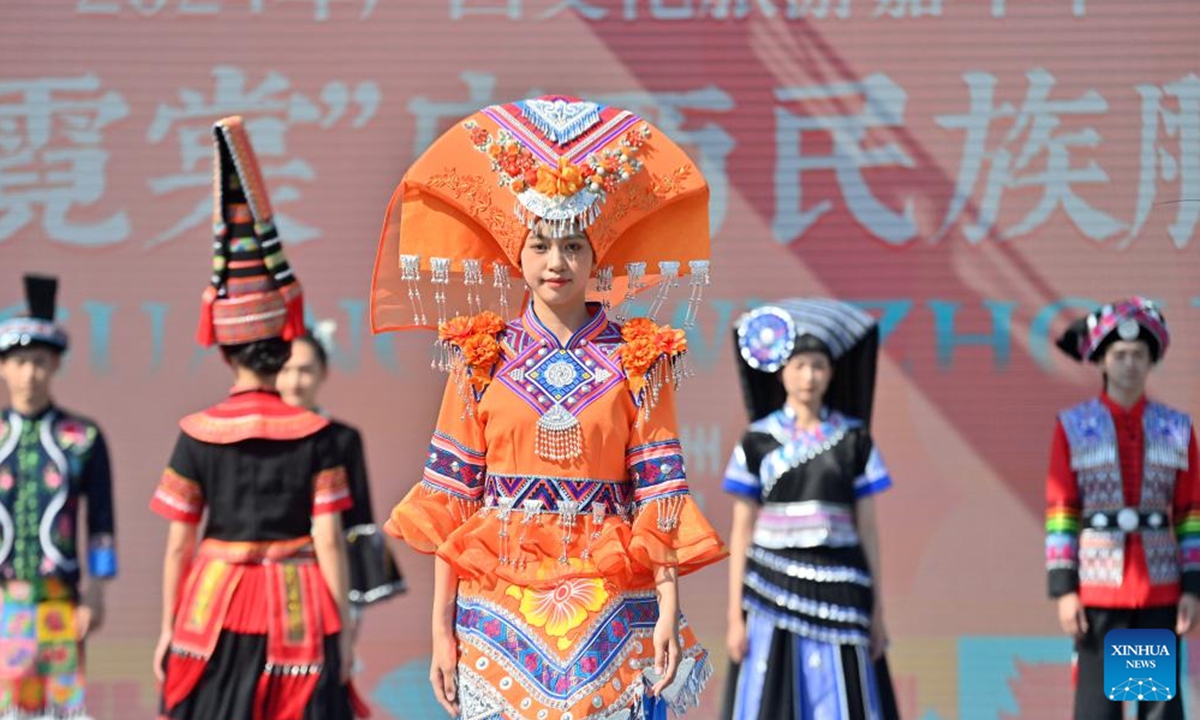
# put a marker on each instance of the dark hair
(811, 344)
(317, 348)
(1144, 336)
(264, 357)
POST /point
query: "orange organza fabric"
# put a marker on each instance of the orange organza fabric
(446, 513)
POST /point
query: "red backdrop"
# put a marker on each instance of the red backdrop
(970, 172)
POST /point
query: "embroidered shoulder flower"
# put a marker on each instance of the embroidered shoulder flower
(638, 328)
(646, 344)
(469, 345)
(456, 329)
(488, 323)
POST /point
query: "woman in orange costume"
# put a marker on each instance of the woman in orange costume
(554, 493)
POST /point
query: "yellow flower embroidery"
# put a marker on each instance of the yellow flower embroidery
(562, 608)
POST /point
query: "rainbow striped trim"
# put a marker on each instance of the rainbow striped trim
(1189, 526)
(1065, 520)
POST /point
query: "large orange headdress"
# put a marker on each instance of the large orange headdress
(460, 215)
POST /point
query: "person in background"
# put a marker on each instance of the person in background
(50, 460)
(374, 576)
(1122, 519)
(806, 624)
(254, 618)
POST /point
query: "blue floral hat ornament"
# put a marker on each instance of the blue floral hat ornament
(766, 337)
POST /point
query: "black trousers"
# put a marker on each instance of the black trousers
(1091, 701)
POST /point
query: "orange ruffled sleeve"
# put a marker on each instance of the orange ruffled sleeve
(451, 487)
(668, 527)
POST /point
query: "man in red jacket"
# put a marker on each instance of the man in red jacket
(1122, 504)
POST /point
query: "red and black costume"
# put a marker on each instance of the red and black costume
(256, 627)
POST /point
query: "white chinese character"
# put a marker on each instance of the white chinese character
(271, 109)
(662, 10)
(722, 10)
(908, 8)
(585, 9)
(52, 157)
(818, 9)
(1040, 123)
(434, 116)
(1182, 167)
(511, 9)
(1000, 8)
(883, 107)
(669, 111)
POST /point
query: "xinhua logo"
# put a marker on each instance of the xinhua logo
(1139, 665)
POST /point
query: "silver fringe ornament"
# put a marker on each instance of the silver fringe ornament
(410, 275)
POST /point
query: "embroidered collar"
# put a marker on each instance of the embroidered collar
(596, 324)
(827, 421)
(38, 416)
(252, 413)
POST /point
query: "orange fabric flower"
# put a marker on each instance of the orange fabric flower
(455, 329)
(480, 353)
(564, 181)
(639, 328)
(611, 164)
(480, 349)
(637, 356)
(670, 341)
(488, 323)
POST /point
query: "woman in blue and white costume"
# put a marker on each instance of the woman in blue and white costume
(806, 631)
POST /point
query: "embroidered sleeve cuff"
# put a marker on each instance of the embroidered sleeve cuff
(657, 471)
(178, 498)
(331, 492)
(733, 486)
(102, 557)
(865, 486)
(453, 468)
(1189, 555)
(1188, 529)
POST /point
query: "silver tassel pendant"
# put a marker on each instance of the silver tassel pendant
(700, 279)
(439, 270)
(473, 280)
(410, 275)
(568, 510)
(635, 277)
(502, 282)
(559, 435)
(604, 286)
(668, 271)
